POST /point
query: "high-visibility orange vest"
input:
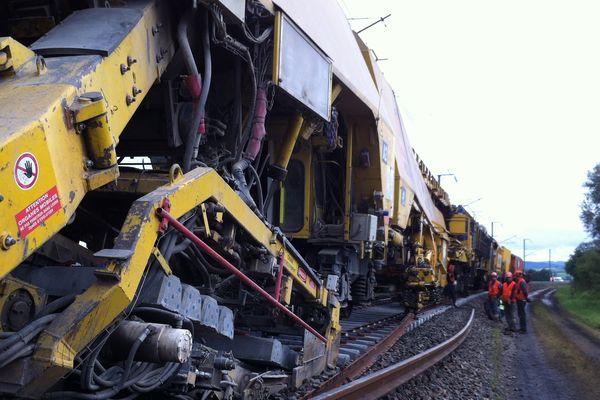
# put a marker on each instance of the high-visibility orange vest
(519, 293)
(507, 289)
(494, 288)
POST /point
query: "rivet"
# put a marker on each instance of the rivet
(129, 99)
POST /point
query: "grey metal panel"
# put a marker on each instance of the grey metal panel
(324, 22)
(209, 316)
(225, 322)
(163, 291)
(191, 303)
(58, 281)
(259, 350)
(117, 254)
(90, 31)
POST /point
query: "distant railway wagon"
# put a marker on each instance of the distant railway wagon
(516, 264)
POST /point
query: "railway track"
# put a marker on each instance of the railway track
(386, 380)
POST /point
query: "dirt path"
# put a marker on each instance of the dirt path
(552, 361)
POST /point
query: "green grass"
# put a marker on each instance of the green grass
(497, 366)
(582, 305)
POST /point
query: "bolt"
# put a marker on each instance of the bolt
(155, 29)
(159, 58)
(80, 127)
(124, 69)
(3, 58)
(136, 91)
(129, 99)
(8, 241)
(1, 198)
(89, 163)
(131, 61)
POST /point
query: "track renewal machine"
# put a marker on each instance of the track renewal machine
(192, 192)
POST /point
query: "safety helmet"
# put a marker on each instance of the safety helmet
(494, 274)
(509, 274)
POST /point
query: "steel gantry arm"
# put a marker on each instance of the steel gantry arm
(106, 300)
(62, 111)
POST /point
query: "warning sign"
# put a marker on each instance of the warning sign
(37, 212)
(26, 171)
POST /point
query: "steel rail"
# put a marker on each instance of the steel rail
(386, 380)
(361, 364)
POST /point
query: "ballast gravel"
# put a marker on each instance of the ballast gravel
(468, 373)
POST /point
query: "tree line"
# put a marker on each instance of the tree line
(584, 263)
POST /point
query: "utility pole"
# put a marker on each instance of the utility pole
(524, 240)
(550, 262)
(494, 222)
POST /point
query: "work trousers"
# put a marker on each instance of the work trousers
(451, 292)
(522, 317)
(491, 307)
(509, 311)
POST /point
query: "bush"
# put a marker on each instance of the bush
(539, 274)
(584, 266)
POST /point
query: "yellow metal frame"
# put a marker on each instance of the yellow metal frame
(37, 115)
(106, 300)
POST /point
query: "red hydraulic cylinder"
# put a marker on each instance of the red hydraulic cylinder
(245, 279)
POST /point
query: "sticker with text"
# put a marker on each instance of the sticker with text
(37, 212)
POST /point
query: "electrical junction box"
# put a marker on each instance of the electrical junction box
(332, 282)
(363, 227)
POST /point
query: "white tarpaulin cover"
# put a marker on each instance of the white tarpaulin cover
(325, 23)
(407, 164)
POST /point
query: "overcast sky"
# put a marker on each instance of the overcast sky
(505, 95)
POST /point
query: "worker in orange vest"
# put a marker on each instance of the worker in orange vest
(494, 294)
(450, 288)
(522, 297)
(508, 299)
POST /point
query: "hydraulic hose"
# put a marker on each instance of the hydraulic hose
(173, 319)
(194, 82)
(199, 91)
(56, 305)
(134, 348)
(205, 86)
(26, 334)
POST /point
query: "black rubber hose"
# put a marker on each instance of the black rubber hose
(206, 263)
(206, 82)
(249, 121)
(87, 373)
(184, 43)
(25, 334)
(134, 348)
(173, 319)
(258, 188)
(18, 352)
(56, 305)
(150, 383)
